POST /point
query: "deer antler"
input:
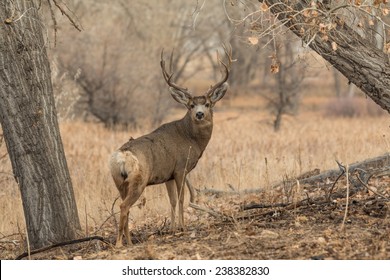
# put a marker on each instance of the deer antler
(168, 77)
(228, 53)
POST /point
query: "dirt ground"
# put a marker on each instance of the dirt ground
(311, 228)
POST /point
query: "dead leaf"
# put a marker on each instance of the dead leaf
(321, 240)
(387, 48)
(334, 46)
(263, 7)
(306, 13)
(322, 28)
(302, 219)
(274, 68)
(253, 40)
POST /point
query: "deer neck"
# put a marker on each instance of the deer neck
(199, 132)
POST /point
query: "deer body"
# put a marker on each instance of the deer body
(162, 146)
(167, 154)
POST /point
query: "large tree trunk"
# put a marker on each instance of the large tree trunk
(30, 127)
(354, 56)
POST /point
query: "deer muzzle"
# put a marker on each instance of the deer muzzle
(199, 115)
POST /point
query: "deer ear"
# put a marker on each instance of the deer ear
(218, 93)
(179, 96)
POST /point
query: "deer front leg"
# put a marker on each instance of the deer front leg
(172, 194)
(180, 181)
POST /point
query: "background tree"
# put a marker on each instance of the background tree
(288, 74)
(29, 122)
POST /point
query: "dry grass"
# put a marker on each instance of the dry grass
(242, 140)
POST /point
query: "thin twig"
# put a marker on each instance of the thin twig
(86, 219)
(75, 25)
(11, 20)
(28, 245)
(55, 24)
(334, 184)
(185, 172)
(346, 202)
(113, 212)
(15, 242)
(371, 190)
(196, 13)
(211, 212)
(105, 221)
(3, 156)
(3, 236)
(262, 206)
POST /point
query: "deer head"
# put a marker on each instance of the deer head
(199, 107)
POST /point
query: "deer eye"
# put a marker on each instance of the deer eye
(192, 106)
(207, 105)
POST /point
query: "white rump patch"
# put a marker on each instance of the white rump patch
(121, 164)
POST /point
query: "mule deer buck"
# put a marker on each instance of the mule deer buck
(169, 153)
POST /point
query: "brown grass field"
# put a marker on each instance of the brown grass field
(243, 154)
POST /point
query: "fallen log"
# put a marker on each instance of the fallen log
(379, 165)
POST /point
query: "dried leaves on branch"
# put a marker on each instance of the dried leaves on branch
(312, 18)
(350, 35)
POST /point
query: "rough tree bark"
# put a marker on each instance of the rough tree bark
(355, 57)
(29, 122)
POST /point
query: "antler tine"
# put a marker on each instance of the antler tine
(168, 77)
(228, 53)
(162, 64)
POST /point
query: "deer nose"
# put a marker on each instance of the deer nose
(199, 115)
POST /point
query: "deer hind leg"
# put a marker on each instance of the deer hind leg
(171, 188)
(180, 180)
(134, 192)
(127, 230)
(127, 175)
